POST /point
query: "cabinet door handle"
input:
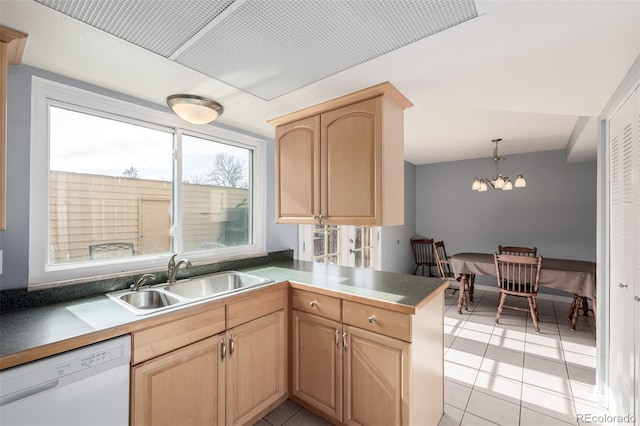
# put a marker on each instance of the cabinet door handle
(313, 304)
(372, 319)
(637, 299)
(232, 346)
(337, 337)
(344, 341)
(623, 285)
(223, 349)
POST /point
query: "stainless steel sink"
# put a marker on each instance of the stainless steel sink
(149, 299)
(215, 284)
(162, 297)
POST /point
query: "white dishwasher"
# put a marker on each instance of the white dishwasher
(86, 386)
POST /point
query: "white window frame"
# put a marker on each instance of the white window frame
(45, 93)
(305, 245)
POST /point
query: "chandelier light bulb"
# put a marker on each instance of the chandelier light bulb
(498, 182)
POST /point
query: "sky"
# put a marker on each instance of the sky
(84, 143)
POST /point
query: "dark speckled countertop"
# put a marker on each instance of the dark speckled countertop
(35, 327)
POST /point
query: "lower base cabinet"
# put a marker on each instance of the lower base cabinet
(339, 370)
(255, 367)
(317, 362)
(375, 378)
(183, 387)
(193, 372)
(354, 376)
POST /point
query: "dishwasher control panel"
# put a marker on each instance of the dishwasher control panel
(79, 363)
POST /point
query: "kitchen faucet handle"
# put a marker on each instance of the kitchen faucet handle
(142, 281)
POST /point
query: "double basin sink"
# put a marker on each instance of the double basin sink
(166, 296)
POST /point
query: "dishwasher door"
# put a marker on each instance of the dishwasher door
(87, 386)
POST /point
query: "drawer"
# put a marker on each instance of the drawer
(255, 304)
(378, 320)
(158, 340)
(318, 304)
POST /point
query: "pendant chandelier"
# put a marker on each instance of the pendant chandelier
(505, 183)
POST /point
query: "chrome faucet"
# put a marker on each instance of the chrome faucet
(142, 281)
(172, 268)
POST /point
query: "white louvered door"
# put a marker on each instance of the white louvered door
(624, 252)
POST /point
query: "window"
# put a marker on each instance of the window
(356, 246)
(117, 187)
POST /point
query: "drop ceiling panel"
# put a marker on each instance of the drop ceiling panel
(269, 48)
(161, 26)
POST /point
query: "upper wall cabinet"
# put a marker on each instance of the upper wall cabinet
(342, 162)
(12, 44)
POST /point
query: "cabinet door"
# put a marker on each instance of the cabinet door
(376, 379)
(317, 362)
(351, 152)
(183, 387)
(255, 367)
(298, 171)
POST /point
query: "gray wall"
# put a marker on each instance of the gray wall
(396, 248)
(556, 212)
(14, 242)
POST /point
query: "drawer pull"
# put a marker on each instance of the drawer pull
(313, 304)
(372, 319)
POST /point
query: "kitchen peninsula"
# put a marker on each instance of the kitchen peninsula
(360, 345)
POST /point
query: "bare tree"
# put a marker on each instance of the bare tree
(131, 172)
(228, 171)
(196, 179)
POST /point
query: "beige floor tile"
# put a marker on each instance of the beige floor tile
(452, 416)
(500, 387)
(282, 413)
(472, 420)
(456, 395)
(534, 418)
(493, 409)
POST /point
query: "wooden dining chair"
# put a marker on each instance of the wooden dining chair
(423, 254)
(518, 276)
(518, 251)
(579, 302)
(446, 272)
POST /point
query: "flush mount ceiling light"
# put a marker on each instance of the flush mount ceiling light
(195, 109)
(499, 181)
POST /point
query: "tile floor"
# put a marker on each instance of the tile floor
(505, 374)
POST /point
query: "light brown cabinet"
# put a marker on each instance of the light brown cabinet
(376, 379)
(370, 366)
(255, 367)
(183, 387)
(342, 162)
(317, 362)
(191, 371)
(12, 45)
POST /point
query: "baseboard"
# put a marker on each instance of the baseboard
(540, 296)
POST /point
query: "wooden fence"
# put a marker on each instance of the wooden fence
(87, 209)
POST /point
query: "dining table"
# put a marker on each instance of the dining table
(573, 276)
